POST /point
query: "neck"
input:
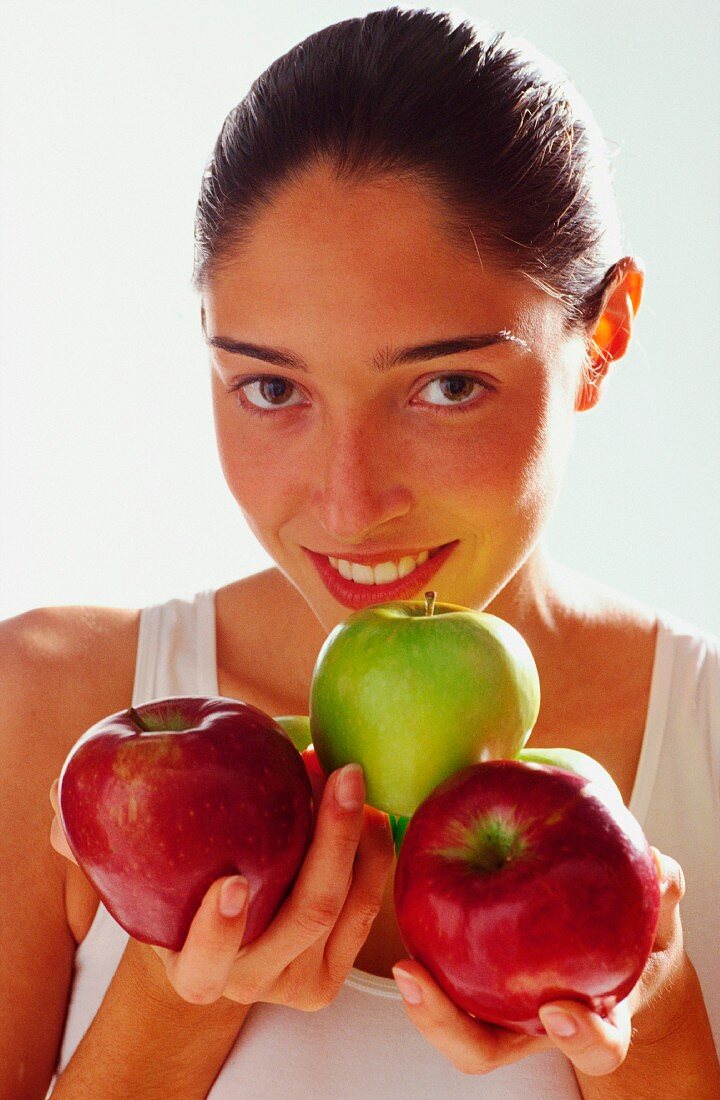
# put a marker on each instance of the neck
(536, 599)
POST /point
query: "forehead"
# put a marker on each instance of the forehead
(375, 255)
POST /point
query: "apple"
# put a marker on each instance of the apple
(571, 760)
(297, 727)
(159, 800)
(416, 691)
(521, 883)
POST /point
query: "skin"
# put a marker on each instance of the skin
(369, 270)
(338, 274)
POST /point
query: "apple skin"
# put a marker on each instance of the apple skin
(572, 760)
(297, 727)
(415, 697)
(210, 787)
(571, 913)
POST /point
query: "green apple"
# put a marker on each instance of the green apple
(297, 727)
(414, 691)
(572, 760)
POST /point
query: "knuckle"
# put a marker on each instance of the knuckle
(195, 993)
(345, 846)
(599, 1059)
(365, 915)
(471, 1065)
(248, 991)
(318, 916)
(314, 1004)
(303, 994)
(335, 975)
(605, 1062)
(678, 882)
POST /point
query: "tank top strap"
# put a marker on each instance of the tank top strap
(176, 649)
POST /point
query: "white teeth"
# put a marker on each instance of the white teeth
(363, 574)
(384, 573)
(405, 566)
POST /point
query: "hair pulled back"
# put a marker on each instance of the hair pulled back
(495, 130)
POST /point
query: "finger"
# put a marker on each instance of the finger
(57, 837)
(200, 971)
(319, 892)
(471, 1045)
(594, 1045)
(672, 889)
(371, 868)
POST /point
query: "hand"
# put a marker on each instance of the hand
(595, 1046)
(304, 955)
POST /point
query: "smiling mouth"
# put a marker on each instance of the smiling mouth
(356, 584)
(382, 572)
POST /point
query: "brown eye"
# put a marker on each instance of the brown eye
(456, 389)
(264, 393)
(273, 389)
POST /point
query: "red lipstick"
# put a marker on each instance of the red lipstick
(356, 596)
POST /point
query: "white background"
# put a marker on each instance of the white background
(110, 487)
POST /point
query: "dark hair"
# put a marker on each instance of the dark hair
(486, 123)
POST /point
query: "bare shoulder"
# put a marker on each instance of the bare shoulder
(69, 661)
(61, 670)
(592, 608)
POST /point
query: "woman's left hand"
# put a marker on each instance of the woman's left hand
(594, 1045)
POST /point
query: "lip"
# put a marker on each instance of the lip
(356, 596)
(373, 559)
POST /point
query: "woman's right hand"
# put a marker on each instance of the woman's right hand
(305, 953)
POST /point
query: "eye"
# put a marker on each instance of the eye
(268, 388)
(458, 388)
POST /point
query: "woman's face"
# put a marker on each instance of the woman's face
(349, 450)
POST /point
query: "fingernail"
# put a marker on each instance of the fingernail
(559, 1023)
(233, 896)
(350, 789)
(411, 991)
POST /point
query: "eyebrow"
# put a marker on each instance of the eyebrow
(384, 360)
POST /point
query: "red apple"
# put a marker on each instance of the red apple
(160, 800)
(520, 883)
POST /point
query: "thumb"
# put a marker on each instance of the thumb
(594, 1045)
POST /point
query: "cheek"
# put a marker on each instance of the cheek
(259, 478)
(241, 453)
(510, 465)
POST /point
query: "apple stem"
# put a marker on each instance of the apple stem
(137, 719)
(430, 602)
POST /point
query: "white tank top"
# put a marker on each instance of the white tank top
(362, 1046)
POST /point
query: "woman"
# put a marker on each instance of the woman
(411, 281)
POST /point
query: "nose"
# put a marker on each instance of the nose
(361, 482)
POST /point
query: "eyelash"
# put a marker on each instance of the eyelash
(240, 384)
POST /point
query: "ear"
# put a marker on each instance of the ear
(610, 335)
